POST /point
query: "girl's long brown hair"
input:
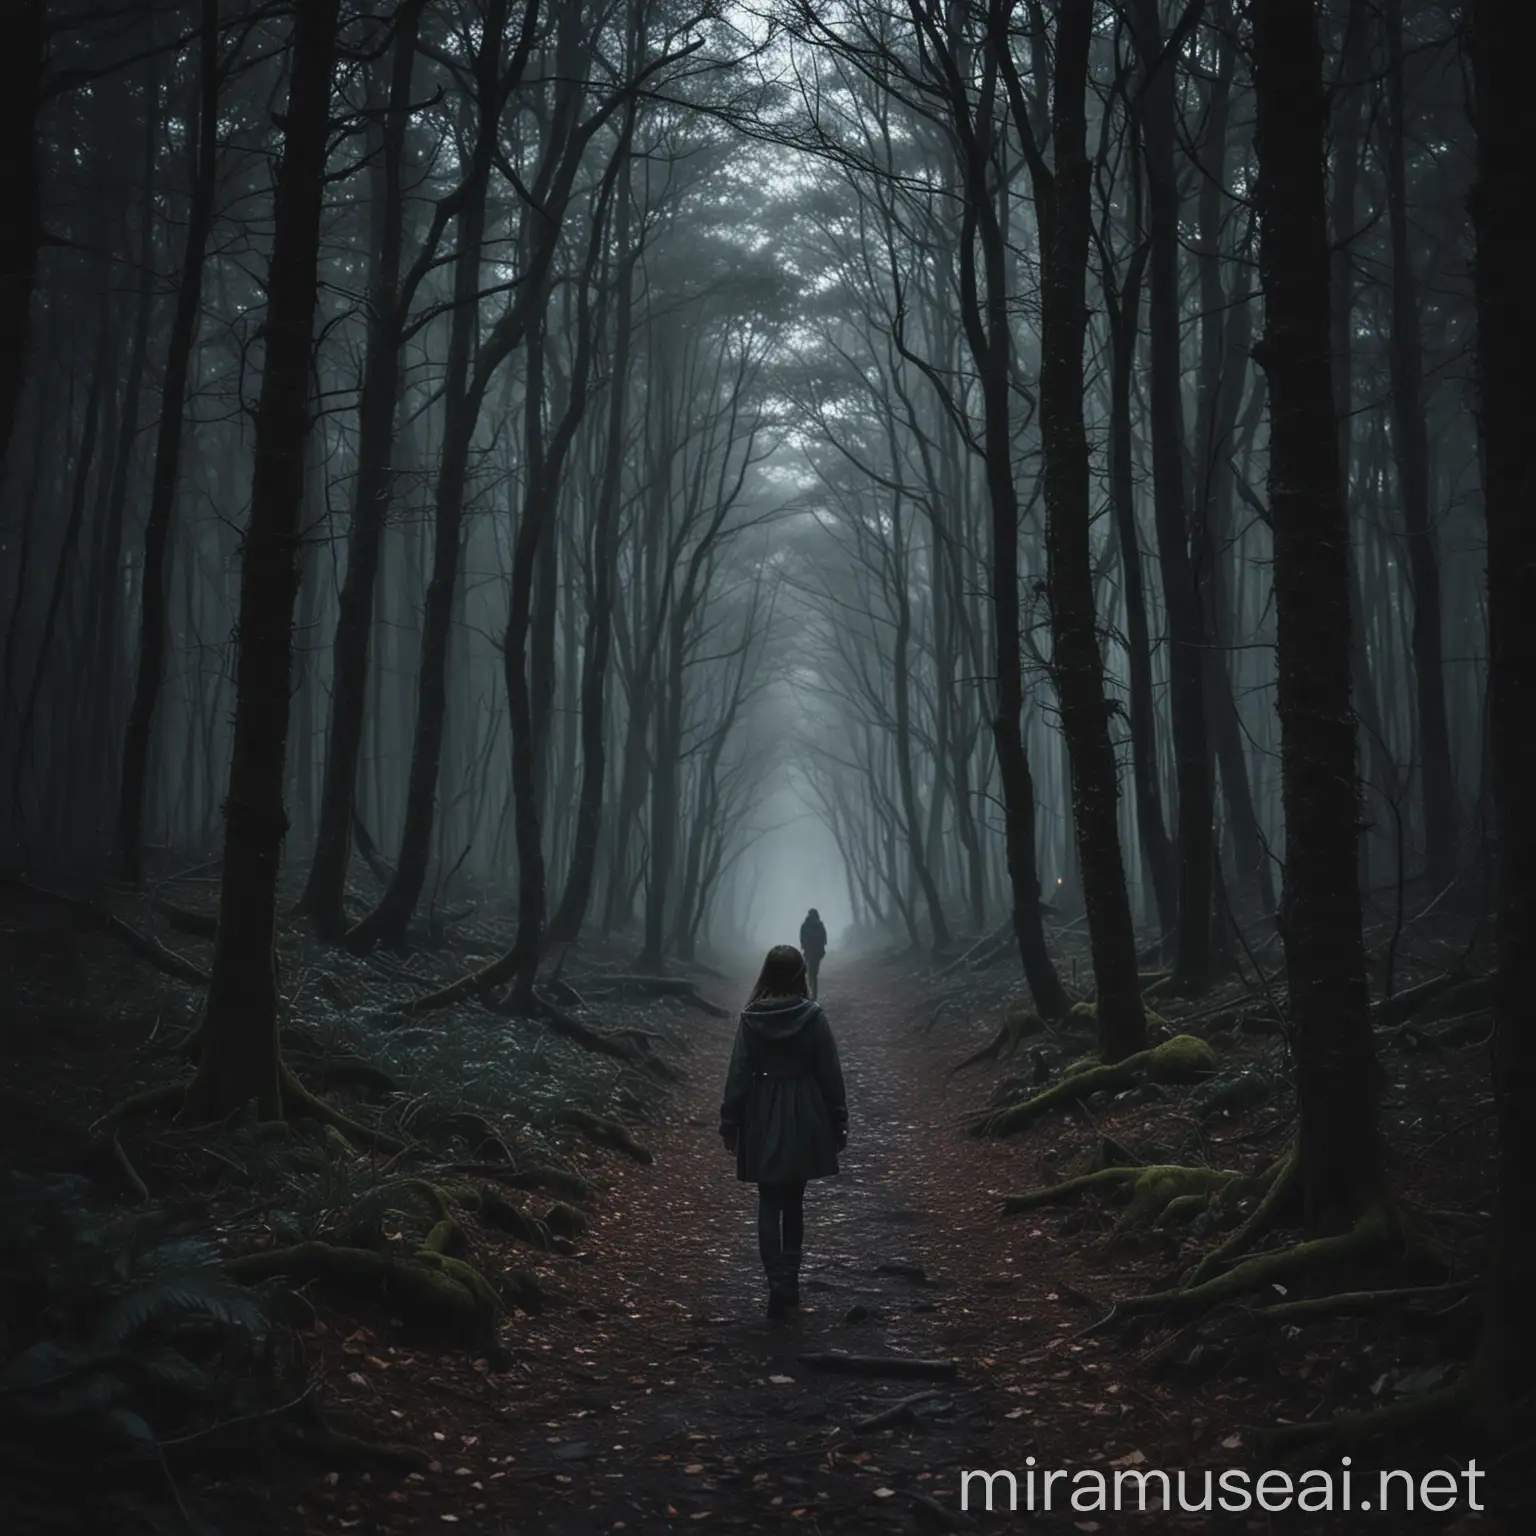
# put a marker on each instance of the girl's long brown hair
(782, 975)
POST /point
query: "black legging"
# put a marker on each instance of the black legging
(780, 1219)
(813, 970)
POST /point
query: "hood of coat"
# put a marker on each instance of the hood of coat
(777, 1018)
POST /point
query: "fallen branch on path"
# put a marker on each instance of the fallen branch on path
(607, 1133)
(880, 1365)
(201, 925)
(629, 1046)
(947, 1519)
(913, 1272)
(679, 987)
(1403, 1005)
(142, 945)
(895, 1413)
(999, 935)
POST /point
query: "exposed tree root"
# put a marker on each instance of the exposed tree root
(436, 1286)
(353, 1072)
(1020, 1024)
(497, 1212)
(201, 925)
(1184, 1059)
(566, 1221)
(1403, 1005)
(1158, 1193)
(1428, 1410)
(631, 1047)
(1279, 1183)
(145, 1103)
(1349, 1303)
(679, 987)
(1377, 1233)
(556, 1181)
(879, 1365)
(465, 989)
(607, 1133)
(301, 1104)
(335, 1448)
(298, 1103)
(141, 944)
(378, 865)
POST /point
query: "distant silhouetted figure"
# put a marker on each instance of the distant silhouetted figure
(813, 941)
(784, 1112)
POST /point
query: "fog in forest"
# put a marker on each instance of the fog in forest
(507, 504)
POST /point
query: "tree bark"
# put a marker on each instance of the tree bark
(138, 734)
(467, 378)
(241, 1057)
(1505, 250)
(986, 323)
(1186, 629)
(1339, 1154)
(376, 407)
(1410, 440)
(571, 912)
(20, 212)
(1062, 203)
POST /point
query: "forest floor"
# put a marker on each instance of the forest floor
(656, 1397)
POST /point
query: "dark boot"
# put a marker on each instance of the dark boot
(778, 1298)
(791, 1280)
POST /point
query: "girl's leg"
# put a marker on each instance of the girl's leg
(794, 1236)
(770, 1212)
(794, 1217)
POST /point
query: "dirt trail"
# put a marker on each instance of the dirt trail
(661, 1399)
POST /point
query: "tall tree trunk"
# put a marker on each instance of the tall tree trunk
(1381, 773)
(1339, 1155)
(463, 392)
(1501, 206)
(21, 79)
(1410, 440)
(986, 322)
(597, 644)
(1156, 848)
(103, 649)
(83, 458)
(377, 402)
(1062, 203)
(464, 395)
(138, 734)
(1224, 356)
(1181, 591)
(241, 1057)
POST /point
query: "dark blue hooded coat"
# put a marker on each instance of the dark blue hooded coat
(784, 1093)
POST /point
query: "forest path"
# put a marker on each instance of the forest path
(662, 1399)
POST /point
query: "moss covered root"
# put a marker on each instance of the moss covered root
(1155, 1192)
(1020, 1024)
(606, 1133)
(298, 1103)
(436, 1287)
(1184, 1059)
(1376, 1234)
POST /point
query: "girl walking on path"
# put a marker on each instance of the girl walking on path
(813, 944)
(784, 1113)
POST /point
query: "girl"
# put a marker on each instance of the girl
(784, 1113)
